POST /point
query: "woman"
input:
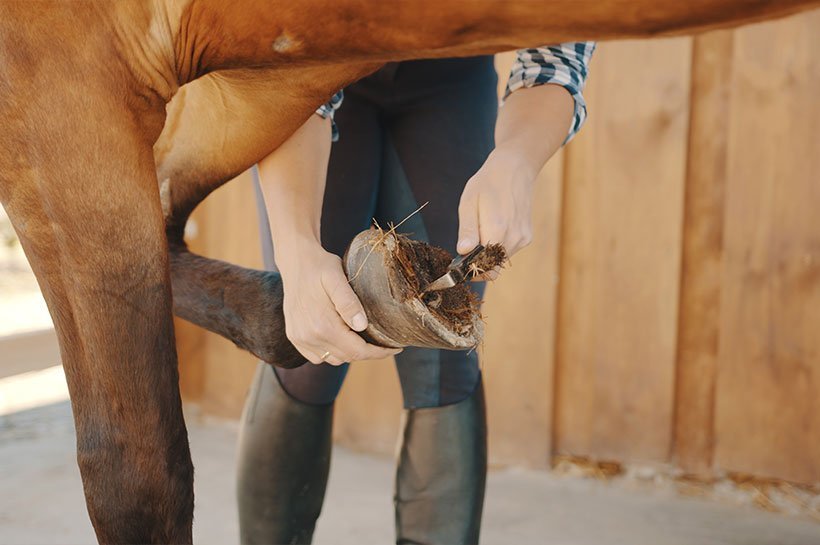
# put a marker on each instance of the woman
(412, 133)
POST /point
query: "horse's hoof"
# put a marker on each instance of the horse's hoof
(388, 272)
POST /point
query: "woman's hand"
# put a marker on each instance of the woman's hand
(322, 311)
(496, 205)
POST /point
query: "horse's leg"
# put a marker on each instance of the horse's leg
(217, 127)
(80, 189)
(99, 254)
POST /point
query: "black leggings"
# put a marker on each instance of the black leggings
(411, 133)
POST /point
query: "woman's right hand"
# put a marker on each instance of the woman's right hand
(322, 312)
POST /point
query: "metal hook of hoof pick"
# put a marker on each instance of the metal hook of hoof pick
(457, 271)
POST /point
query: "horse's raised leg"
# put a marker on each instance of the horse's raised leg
(81, 191)
(218, 126)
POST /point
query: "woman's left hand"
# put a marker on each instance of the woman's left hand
(496, 205)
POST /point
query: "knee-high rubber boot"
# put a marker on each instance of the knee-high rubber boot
(284, 460)
(441, 474)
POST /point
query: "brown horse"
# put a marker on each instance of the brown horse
(120, 117)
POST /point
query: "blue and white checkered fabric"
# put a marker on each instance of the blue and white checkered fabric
(563, 64)
(327, 110)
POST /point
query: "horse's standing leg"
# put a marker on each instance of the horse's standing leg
(81, 191)
(100, 257)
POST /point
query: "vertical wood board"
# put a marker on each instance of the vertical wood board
(621, 244)
(768, 396)
(699, 319)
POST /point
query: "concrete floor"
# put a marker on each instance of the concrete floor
(41, 500)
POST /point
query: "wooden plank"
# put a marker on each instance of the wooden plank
(699, 319)
(620, 269)
(191, 344)
(768, 403)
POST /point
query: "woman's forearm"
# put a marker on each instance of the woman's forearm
(533, 124)
(293, 183)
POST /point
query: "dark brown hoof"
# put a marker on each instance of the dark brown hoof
(388, 272)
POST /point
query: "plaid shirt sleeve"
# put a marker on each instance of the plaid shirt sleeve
(563, 64)
(328, 109)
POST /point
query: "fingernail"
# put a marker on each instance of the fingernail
(360, 322)
(465, 245)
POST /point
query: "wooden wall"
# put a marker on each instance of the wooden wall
(668, 310)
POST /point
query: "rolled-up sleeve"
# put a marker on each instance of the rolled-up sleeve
(563, 64)
(328, 109)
